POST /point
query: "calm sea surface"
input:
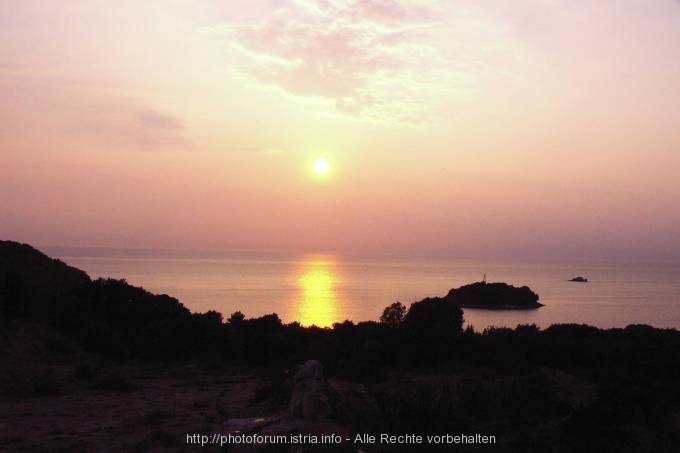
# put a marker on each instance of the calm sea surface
(324, 289)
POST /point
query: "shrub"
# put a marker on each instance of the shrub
(393, 315)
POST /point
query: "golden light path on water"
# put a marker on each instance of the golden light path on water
(317, 303)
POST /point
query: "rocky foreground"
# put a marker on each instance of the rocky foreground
(151, 408)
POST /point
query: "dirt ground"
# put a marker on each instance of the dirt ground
(128, 409)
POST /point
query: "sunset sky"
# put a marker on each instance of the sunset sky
(490, 127)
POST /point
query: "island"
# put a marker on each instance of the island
(494, 296)
(579, 279)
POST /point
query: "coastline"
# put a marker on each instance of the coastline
(358, 289)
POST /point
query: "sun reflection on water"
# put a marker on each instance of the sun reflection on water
(317, 304)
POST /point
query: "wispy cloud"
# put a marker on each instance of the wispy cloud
(88, 112)
(258, 150)
(152, 128)
(373, 58)
(132, 125)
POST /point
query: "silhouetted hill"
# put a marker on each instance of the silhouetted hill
(33, 284)
(104, 315)
(494, 296)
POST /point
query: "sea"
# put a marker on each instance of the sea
(324, 289)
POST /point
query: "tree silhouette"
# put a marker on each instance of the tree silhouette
(393, 315)
(236, 318)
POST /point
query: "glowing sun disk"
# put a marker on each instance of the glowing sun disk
(321, 166)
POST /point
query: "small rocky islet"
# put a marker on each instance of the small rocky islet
(494, 296)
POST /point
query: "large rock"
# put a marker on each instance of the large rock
(309, 399)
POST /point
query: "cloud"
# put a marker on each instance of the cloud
(258, 150)
(148, 118)
(80, 112)
(152, 129)
(372, 58)
(130, 124)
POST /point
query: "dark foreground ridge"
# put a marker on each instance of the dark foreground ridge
(104, 366)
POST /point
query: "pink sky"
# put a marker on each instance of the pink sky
(486, 127)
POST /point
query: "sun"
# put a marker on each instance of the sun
(321, 166)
